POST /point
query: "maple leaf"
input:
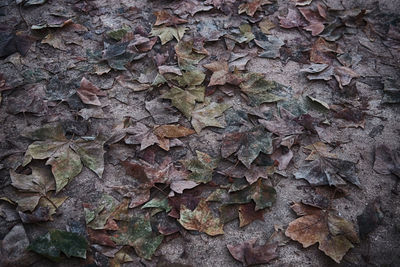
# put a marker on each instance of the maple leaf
(247, 144)
(166, 34)
(88, 92)
(260, 90)
(240, 171)
(65, 156)
(138, 234)
(30, 100)
(266, 25)
(248, 214)
(97, 216)
(205, 116)
(220, 71)
(387, 161)
(262, 194)
(326, 169)
(37, 184)
(250, 254)
(200, 219)
(251, 7)
(334, 234)
(166, 19)
(270, 44)
(322, 51)
(187, 56)
(53, 243)
(316, 18)
(293, 19)
(185, 100)
(147, 176)
(241, 35)
(201, 168)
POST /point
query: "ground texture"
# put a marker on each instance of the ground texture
(124, 125)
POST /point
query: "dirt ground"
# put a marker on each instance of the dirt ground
(356, 144)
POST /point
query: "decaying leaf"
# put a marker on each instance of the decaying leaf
(247, 145)
(88, 92)
(201, 219)
(138, 234)
(251, 254)
(166, 34)
(206, 116)
(185, 100)
(270, 44)
(266, 25)
(293, 19)
(260, 90)
(248, 214)
(387, 161)
(56, 241)
(326, 169)
(167, 19)
(251, 6)
(334, 234)
(65, 156)
(201, 168)
(96, 217)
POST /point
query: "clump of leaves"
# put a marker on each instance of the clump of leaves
(334, 234)
(56, 241)
(138, 234)
(66, 156)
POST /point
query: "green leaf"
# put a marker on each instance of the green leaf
(38, 184)
(138, 234)
(185, 100)
(262, 194)
(260, 90)
(97, 217)
(206, 116)
(202, 168)
(166, 34)
(247, 145)
(56, 241)
(65, 156)
(187, 57)
(158, 203)
(201, 219)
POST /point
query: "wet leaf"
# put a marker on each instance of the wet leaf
(247, 145)
(334, 234)
(201, 168)
(56, 241)
(138, 234)
(201, 219)
(251, 254)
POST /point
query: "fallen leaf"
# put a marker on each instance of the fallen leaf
(41, 214)
(270, 44)
(250, 254)
(326, 169)
(293, 19)
(172, 131)
(247, 145)
(240, 171)
(266, 25)
(370, 218)
(251, 6)
(201, 168)
(166, 34)
(323, 52)
(247, 214)
(96, 216)
(334, 234)
(260, 90)
(201, 219)
(138, 234)
(185, 100)
(241, 35)
(65, 156)
(88, 92)
(182, 8)
(387, 161)
(54, 242)
(166, 19)
(203, 117)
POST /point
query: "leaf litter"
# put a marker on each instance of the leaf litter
(209, 139)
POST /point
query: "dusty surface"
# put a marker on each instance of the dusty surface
(381, 248)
